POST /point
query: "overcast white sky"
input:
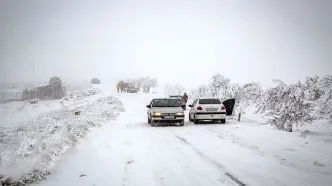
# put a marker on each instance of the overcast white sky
(185, 41)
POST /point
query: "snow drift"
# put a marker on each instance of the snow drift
(29, 149)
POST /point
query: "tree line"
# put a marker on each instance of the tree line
(285, 104)
(145, 83)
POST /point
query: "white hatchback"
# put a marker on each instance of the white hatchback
(207, 109)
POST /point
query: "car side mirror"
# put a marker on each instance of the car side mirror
(148, 106)
(190, 105)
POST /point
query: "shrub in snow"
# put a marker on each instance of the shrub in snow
(287, 105)
(325, 101)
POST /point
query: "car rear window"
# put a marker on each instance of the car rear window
(177, 97)
(209, 101)
(165, 103)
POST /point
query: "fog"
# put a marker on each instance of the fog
(175, 41)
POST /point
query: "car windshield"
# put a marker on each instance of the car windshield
(165, 103)
(209, 101)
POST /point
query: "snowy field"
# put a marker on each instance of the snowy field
(129, 152)
(32, 136)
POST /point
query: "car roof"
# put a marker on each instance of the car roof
(208, 98)
(162, 98)
(175, 95)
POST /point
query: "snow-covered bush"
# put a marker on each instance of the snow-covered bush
(287, 105)
(29, 149)
(325, 101)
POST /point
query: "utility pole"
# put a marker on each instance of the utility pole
(33, 71)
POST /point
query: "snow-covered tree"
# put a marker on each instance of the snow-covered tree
(219, 85)
(145, 83)
(287, 105)
(232, 91)
(95, 81)
(152, 83)
(55, 82)
(325, 101)
(174, 89)
(200, 91)
(251, 93)
(312, 88)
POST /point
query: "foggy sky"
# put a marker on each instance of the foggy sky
(176, 41)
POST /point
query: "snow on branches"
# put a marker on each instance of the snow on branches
(219, 85)
(200, 91)
(325, 101)
(146, 82)
(245, 95)
(174, 89)
(287, 105)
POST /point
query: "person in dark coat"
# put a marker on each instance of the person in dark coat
(185, 97)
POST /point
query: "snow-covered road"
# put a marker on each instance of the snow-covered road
(129, 152)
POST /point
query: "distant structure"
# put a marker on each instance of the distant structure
(95, 81)
(54, 90)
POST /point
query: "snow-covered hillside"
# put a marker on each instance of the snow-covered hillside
(32, 136)
(131, 152)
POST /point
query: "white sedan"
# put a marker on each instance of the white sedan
(207, 109)
(165, 111)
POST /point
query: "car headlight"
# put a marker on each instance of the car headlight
(157, 114)
(180, 113)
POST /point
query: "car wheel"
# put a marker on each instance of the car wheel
(196, 121)
(153, 124)
(149, 120)
(223, 121)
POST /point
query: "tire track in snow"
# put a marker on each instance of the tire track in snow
(215, 163)
(232, 138)
(235, 140)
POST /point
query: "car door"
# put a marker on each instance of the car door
(192, 109)
(229, 104)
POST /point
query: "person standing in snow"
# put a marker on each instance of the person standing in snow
(185, 97)
(118, 87)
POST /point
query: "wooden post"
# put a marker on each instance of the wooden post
(239, 117)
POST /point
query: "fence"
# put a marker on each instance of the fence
(6, 94)
(44, 93)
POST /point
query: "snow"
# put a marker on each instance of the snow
(32, 136)
(128, 151)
